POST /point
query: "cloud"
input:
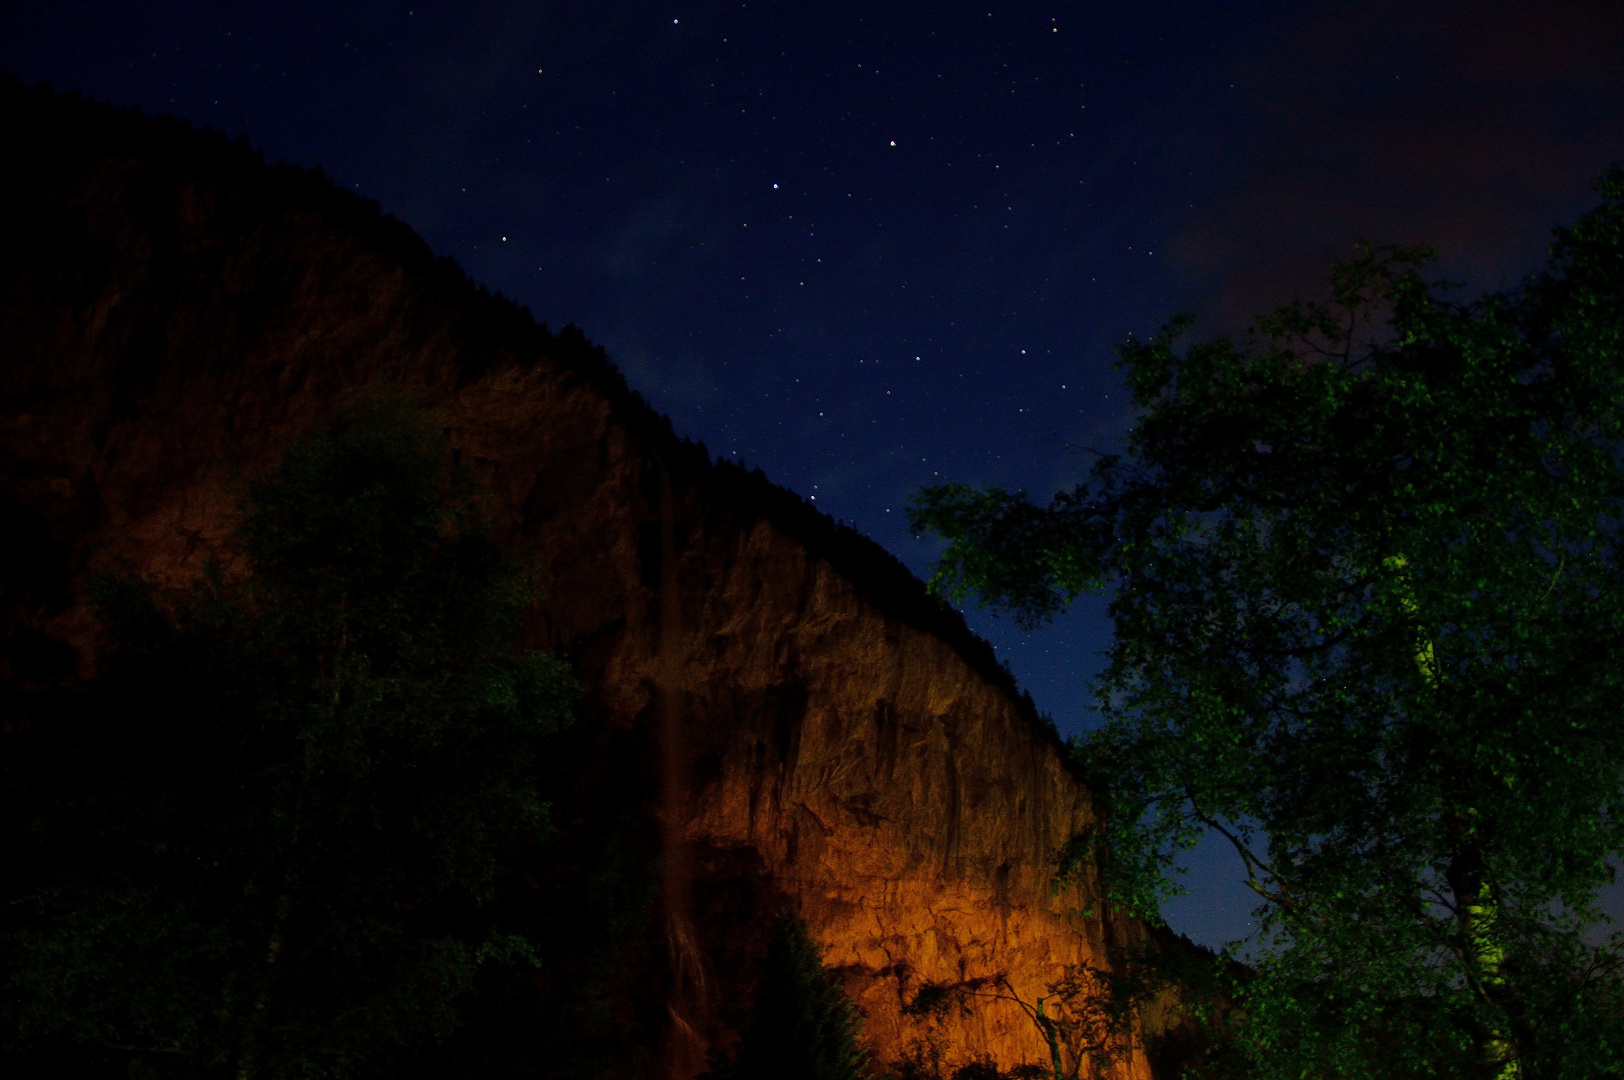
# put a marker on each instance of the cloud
(1476, 127)
(650, 230)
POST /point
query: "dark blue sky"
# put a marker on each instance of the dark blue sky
(868, 246)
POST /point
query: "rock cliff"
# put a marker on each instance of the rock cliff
(813, 729)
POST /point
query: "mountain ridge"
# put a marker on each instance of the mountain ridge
(793, 717)
(503, 322)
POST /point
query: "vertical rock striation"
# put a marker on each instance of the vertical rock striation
(819, 733)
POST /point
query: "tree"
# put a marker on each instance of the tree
(1086, 1019)
(267, 839)
(804, 1027)
(1365, 569)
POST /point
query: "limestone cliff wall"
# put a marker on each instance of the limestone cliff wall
(818, 733)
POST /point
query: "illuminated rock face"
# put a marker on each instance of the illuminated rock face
(812, 742)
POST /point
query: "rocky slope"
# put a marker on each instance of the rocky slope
(814, 730)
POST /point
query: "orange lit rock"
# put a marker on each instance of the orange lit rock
(827, 738)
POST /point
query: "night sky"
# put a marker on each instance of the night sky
(869, 246)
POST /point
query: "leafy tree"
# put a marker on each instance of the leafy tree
(804, 1026)
(1367, 577)
(267, 840)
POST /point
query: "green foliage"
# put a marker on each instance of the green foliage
(804, 1026)
(281, 816)
(1365, 584)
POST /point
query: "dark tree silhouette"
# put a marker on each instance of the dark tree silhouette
(270, 834)
(804, 1027)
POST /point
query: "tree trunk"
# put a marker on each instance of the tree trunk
(247, 1066)
(1477, 910)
